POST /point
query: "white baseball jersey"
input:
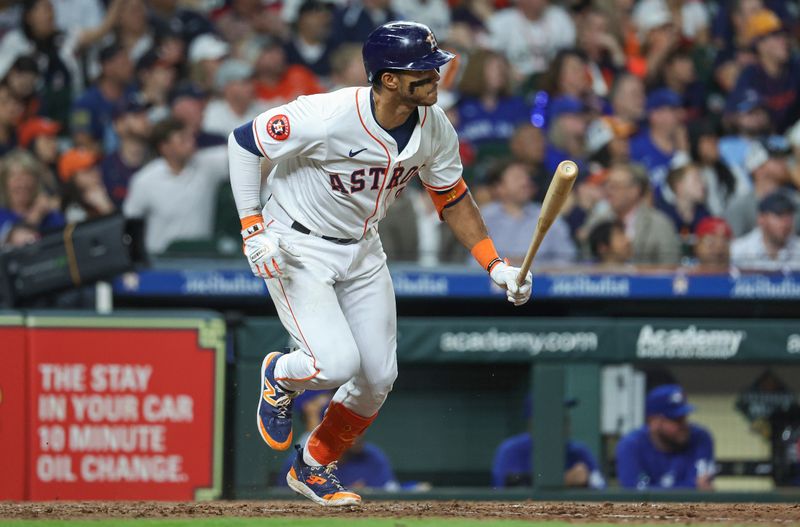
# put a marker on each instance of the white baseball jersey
(338, 171)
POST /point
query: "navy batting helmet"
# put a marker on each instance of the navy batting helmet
(402, 46)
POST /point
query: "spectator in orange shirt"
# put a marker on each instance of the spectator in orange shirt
(278, 83)
(657, 35)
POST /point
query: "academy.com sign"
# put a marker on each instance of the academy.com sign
(688, 343)
(494, 340)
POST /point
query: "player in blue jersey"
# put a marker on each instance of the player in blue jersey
(668, 451)
(512, 459)
(512, 464)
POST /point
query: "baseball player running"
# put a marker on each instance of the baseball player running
(339, 161)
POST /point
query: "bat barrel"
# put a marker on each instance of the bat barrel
(568, 168)
(557, 192)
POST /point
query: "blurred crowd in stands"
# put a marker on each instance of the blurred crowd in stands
(683, 116)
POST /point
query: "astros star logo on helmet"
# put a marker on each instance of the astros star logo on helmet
(432, 41)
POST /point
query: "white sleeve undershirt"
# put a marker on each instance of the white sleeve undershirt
(245, 171)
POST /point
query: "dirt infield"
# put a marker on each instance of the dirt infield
(693, 513)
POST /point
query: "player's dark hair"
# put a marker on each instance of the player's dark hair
(600, 236)
(163, 130)
(377, 83)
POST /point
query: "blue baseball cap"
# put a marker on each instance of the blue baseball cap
(130, 104)
(566, 104)
(744, 101)
(186, 89)
(668, 400)
(663, 98)
(777, 203)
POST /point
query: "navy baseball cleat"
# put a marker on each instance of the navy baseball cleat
(274, 406)
(319, 484)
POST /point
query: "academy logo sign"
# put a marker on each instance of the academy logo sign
(688, 343)
(496, 341)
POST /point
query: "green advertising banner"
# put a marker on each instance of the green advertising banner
(505, 340)
(460, 340)
(524, 340)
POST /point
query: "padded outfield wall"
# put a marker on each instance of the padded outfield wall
(462, 389)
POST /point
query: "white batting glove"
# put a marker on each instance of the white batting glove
(505, 276)
(266, 252)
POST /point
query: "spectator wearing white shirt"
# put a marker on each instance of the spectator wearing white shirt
(176, 193)
(237, 102)
(772, 245)
(530, 34)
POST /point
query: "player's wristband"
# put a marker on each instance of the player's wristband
(252, 225)
(485, 253)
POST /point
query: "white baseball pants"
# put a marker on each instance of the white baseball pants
(338, 305)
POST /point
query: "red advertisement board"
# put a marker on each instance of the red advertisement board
(12, 412)
(123, 414)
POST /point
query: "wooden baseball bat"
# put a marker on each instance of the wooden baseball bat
(563, 179)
